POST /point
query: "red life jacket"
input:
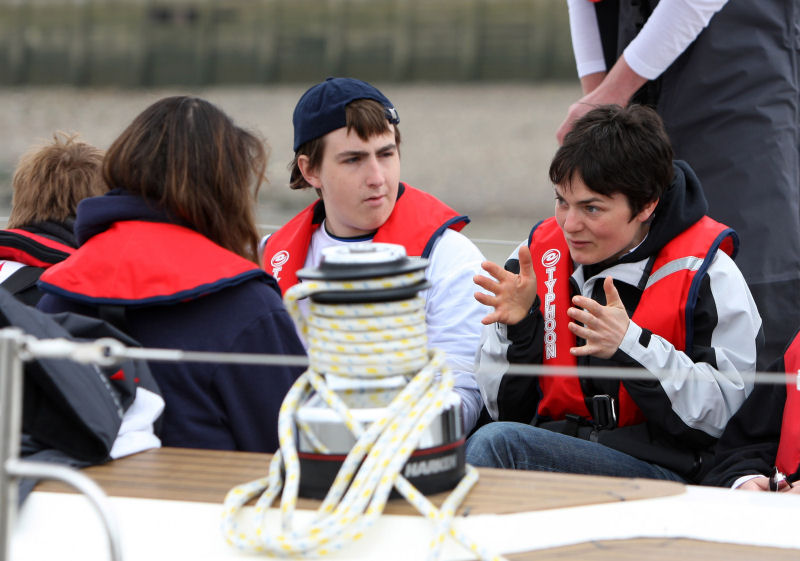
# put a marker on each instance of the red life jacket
(788, 457)
(136, 263)
(416, 222)
(677, 272)
(32, 249)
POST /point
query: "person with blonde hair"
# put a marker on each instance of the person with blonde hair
(49, 182)
(170, 257)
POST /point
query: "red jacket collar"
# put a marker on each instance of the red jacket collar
(32, 249)
(144, 263)
(416, 222)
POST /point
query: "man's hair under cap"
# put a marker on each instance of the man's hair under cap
(322, 108)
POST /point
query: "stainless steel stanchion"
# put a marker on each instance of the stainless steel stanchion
(12, 468)
(10, 428)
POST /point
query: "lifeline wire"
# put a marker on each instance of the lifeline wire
(106, 352)
(368, 341)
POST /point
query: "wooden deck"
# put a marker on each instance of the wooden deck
(206, 476)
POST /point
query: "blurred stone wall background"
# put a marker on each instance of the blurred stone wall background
(163, 42)
(480, 85)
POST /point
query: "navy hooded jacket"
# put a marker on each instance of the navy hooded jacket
(168, 286)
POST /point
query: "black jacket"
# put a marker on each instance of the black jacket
(71, 412)
(750, 441)
(38, 246)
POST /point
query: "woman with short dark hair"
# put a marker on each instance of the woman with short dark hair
(629, 272)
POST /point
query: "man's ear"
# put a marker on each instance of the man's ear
(311, 175)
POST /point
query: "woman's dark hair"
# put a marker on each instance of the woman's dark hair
(185, 154)
(365, 116)
(617, 150)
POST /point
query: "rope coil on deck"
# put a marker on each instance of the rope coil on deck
(365, 340)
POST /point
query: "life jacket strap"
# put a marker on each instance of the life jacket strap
(604, 412)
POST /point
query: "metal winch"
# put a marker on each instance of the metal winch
(367, 337)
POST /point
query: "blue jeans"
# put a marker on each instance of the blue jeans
(519, 446)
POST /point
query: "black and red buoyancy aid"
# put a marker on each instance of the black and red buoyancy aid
(153, 263)
(32, 249)
(677, 271)
(416, 222)
(788, 457)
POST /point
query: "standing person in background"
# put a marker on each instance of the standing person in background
(49, 182)
(347, 147)
(724, 77)
(630, 272)
(760, 448)
(170, 257)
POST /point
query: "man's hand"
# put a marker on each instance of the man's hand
(756, 484)
(761, 483)
(603, 326)
(513, 295)
(615, 88)
(575, 112)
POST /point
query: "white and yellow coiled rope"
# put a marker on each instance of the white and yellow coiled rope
(370, 341)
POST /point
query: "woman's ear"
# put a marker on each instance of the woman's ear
(646, 214)
(311, 175)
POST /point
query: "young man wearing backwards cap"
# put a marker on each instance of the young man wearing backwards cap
(347, 147)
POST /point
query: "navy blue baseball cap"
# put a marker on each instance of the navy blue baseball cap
(322, 108)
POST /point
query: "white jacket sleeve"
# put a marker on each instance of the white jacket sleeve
(491, 361)
(454, 316)
(705, 393)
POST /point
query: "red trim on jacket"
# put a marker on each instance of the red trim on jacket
(26, 257)
(788, 457)
(656, 310)
(139, 262)
(415, 222)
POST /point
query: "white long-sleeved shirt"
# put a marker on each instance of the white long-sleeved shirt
(452, 315)
(671, 28)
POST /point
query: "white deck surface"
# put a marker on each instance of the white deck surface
(65, 527)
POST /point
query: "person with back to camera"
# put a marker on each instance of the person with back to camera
(628, 273)
(347, 146)
(170, 256)
(760, 448)
(49, 182)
